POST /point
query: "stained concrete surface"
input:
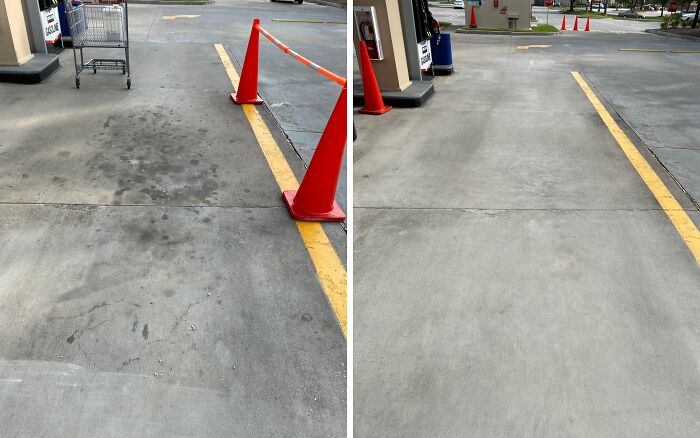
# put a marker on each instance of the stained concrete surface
(164, 321)
(151, 281)
(513, 274)
(300, 99)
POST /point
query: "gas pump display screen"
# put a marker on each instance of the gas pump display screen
(366, 22)
(48, 4)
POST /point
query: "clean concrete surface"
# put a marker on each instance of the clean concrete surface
(514, 277)
(152, 282)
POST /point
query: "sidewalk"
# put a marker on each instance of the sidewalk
(151, 280)
(513, 274)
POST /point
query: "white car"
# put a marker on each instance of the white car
(459, 4)
(688, 17)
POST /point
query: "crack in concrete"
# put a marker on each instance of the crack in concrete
(182, 316)
(128, 362)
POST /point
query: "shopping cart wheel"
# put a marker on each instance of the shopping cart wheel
(128, 83)
(94, 71)
(77, 82)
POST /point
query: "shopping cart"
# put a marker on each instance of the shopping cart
(100, 24)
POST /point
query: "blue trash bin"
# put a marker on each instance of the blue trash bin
(442, 54)
(442, 51)
(79, 17)
(65, 29)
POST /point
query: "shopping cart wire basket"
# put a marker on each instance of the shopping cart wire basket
(100, 24)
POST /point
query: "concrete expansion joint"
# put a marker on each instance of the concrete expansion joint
(486, 210)
(61, 204)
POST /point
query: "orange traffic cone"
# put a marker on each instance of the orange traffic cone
(247, 91)
(472, 23)
(563, 23)
(374, 104)
(588, 25)
(576, 23)
(315, 199)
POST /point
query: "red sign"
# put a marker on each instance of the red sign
(548, 3)
(673, 6)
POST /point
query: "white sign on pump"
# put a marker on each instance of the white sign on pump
(425, 56)
(50, 25)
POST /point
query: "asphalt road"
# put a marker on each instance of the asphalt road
(600, 24)
(514, 276)
(152, 282)
(460, 17)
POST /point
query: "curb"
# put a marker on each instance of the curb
(505, 32)
(329, 3)
(672, 35)
(172, 2)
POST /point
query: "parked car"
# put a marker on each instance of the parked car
(597, 6)
(630, 14)
(688, 17)
(459, 4)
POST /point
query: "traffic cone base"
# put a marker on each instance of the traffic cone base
(314, 200)
(336, 213)
(257, 101)
(377, 112)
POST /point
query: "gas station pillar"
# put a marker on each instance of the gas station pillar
(14, 41)
(389, 31)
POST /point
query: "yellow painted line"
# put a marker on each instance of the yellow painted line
(642, 50)
(680, 219)
(685, 51)
(330, 270)
(173, 17)
(533, 46)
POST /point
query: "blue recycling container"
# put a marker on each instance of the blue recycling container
(80, 17)
(442, 52)
(65, 29)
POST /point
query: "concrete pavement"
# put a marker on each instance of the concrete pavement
(151, 281)
(513, 274)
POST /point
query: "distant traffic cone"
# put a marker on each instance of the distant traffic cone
(374, 104)
(563, 23)
(472, 23)
(315, 198)
(588, 25)
(247, 91)
(576, 23)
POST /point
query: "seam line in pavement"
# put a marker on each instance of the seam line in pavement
(68, 204)
(680, 219)
(476, 209)
(329, 269)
